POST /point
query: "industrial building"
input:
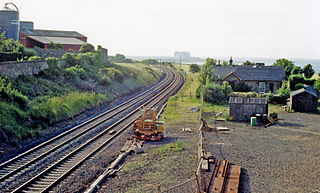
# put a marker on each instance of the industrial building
(28, 36)
(31, 37)
(9, 21)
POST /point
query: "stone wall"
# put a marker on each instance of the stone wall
(14, 69)
(44, 53)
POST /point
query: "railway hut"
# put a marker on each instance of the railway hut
(241, 109)
(304, 99)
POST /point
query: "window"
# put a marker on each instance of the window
(262, 87)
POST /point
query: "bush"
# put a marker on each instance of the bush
(74, 72)
(277, 98)
(86, 47)
(298, 86)
(10, 56)
(212, 92)
(241, 87)
(11, 94)
(72, 59)
(316, 85)
(52, 62)
(194, 68)
(34, 58)
(246, 94)
(226, 89)
(298, 78)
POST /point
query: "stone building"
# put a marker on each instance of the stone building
(261, 79)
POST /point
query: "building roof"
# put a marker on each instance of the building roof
(308, 89)
(57, 40)
(53, 33)
(241, 100)
(249, 73)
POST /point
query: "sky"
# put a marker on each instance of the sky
(206, 28)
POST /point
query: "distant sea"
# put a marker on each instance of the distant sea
(269, 61)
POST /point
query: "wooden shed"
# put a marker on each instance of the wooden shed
(304, 99)
(242, 109)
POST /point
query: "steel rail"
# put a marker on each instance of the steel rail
(38, 157)
(71, 155)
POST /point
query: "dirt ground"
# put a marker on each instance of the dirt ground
(282, 158)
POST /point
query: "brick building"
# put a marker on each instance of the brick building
(31, 37)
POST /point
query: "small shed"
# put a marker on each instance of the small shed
(304, 99)
(242, 109)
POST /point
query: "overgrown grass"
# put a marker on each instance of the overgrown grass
(56, 108)
(11, 121)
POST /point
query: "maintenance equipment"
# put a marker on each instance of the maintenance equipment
(147, 127)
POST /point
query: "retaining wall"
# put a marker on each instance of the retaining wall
(14, 69)
(45, 53)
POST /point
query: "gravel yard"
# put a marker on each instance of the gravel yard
(282, 158)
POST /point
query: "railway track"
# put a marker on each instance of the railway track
(63, 166)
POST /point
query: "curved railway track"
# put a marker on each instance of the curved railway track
(69, 161)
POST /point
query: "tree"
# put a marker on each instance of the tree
(288, 66)
(211, 61)
(296, 70)
(295, 79)
(86, 47)
(206, 71)
(194, 68)
(119, 57)
(248, 63)
(150, 61)
(316, 85)
(308, 71)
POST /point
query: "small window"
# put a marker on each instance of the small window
(262, 87)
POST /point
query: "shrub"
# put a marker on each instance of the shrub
(86, 47)
(316, 84)
(74, 72)
(298, 86)
(246, 94)
(11, 94)
(226, 89)
(72, 59)
(298, 78)
(34, 58)
(52, 62)
(241, 87)
(277, 98)
(194, 68)
(11, 119)
(112, 73)
(212, 92)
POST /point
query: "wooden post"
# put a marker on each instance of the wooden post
(198, 183)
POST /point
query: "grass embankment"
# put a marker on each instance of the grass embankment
(31, 103)
(176, 161)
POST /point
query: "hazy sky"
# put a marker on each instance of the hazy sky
(250, 28)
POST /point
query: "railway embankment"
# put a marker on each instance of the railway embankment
(36, 108)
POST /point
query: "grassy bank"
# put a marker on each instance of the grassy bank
(30, 104)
